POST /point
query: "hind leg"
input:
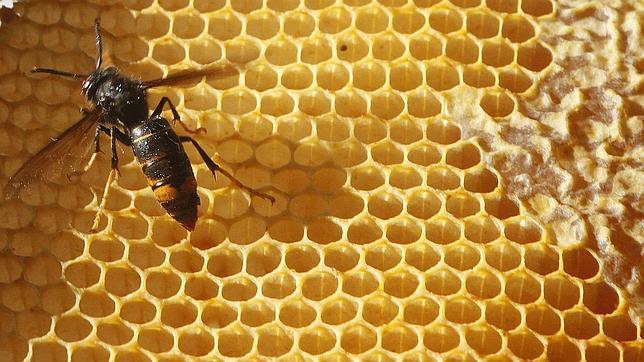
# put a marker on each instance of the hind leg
(213, 167)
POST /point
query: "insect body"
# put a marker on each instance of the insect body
(121, 111)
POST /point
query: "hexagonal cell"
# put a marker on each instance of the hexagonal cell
(358, 339)
(440, 338)
(442, 282)
(502, 314)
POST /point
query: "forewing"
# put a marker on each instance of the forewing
(185, 77)
(67, 154)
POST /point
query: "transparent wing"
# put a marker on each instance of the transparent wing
(62, 157)
(217, 72)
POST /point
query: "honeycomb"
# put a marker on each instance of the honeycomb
(455, 180)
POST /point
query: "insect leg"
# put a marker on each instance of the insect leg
(175, 115)
(97, 149)
(115, 134)
(213, 167)
(99, 43)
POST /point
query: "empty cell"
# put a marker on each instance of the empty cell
(580, 324)
(600, 297)
(90, 353)
(201, 288)
(384, 205)
(318, 286)
(560, 348)
(262, 259)
(441, 76)
(262, 25)
(359, 283)
(115, 333)
(242, 51)
(323, 231)
(367, 178)
(195, 343)
(317, 340)
(286, 230)
(537, 7)
(48, 351)
(386, 105)
(541, 259)
(302, 258)
(517, 29)
(311, 154)
(332, 76)
(177, 315)
(620, 328)
(466, 3)
(502, 314)
(478, 76)
(522, 288)
(297, 77)
(398, 338)
(338, 311)
(246, 6)
(480, 181)
(421, 311)
(400, 284)
(515, 81)
(257, 314)
(379, 310)
(442, 178)
(497, 54)
(462, 205)
(525, 345)
(404, 230)
(281, 52)
(580, 263)
(602, 351)
(314, 103)
(278, 285)
(96, 304)
(405, 178)
(497, 104)
(372, 19)
(297, 314)
(481, 230)
(382, 256)
(368, 75)
(425, 47)
(534, 56)
(155, 340)
(351, 47)
(138, 311)
(72, 328)
(461, 256)
(358, 339)
(445, 20)
(334, 20)
(407, 20)
(240, 289)
(441, 338)
(405, 76)
(461, 49)
(560, 292)
(369, 130)
(442, 231)
(341, 257)
(422, 257)
(423, 104)
(218, 315)
(542, 319)
(315, 50)
(424, 154)
(482, 24)
(503, 6)
(483, 284)
(483, 339)
(442, 282)
(187, 26)
(298, 24)
(463, 156)
(162, 284)
(387, 46)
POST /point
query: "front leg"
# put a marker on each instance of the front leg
(115, 134)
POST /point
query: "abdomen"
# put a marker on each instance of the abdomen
(167, 169)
